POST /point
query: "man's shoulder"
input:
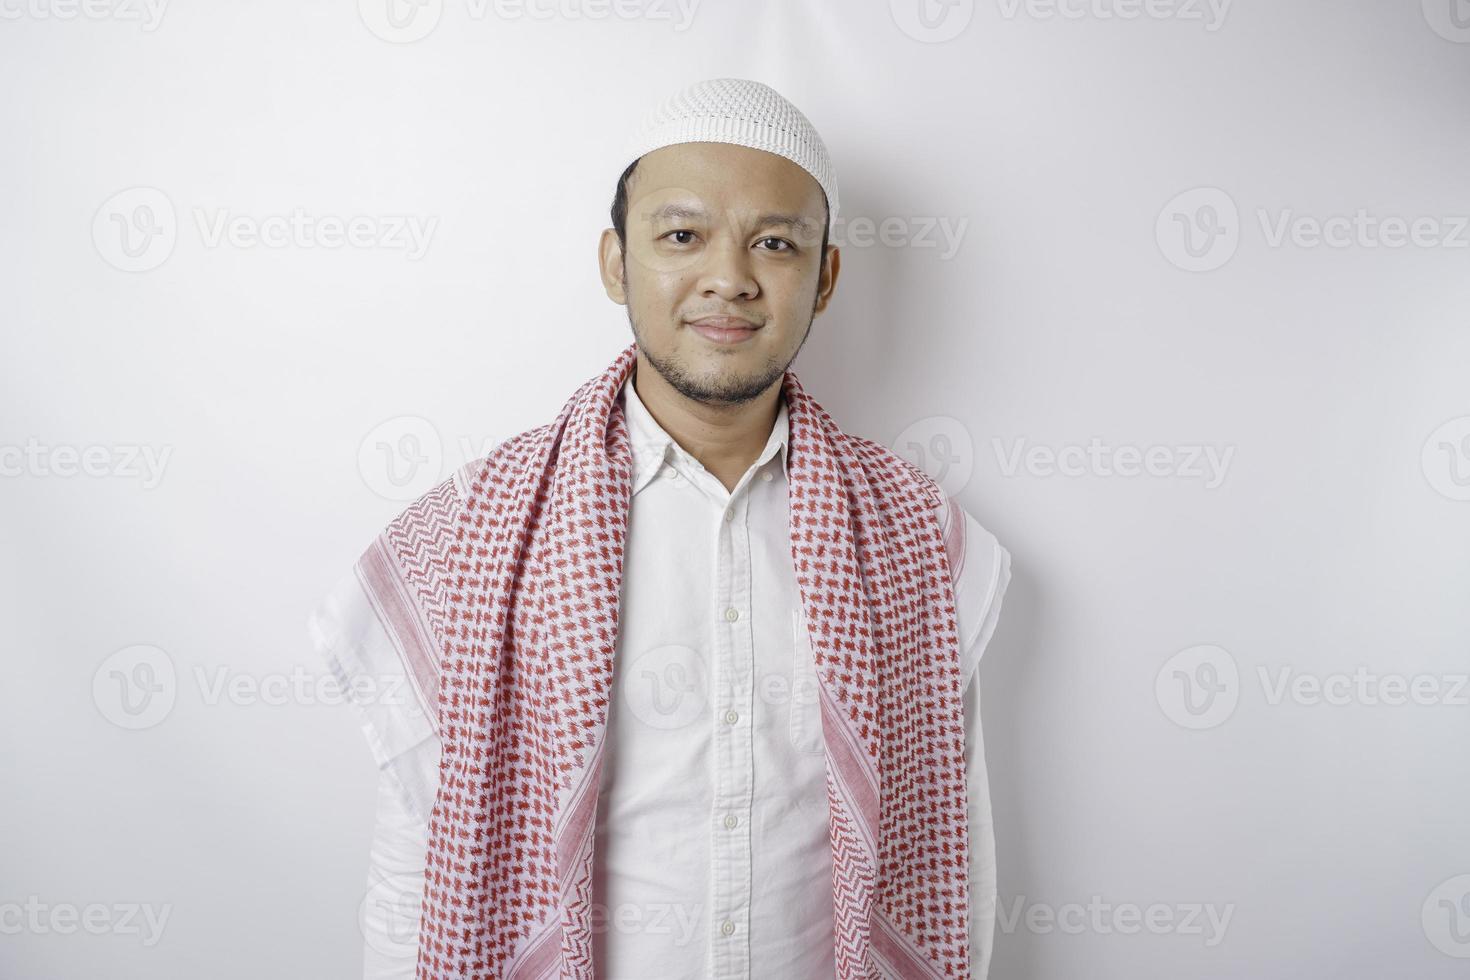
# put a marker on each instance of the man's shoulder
(427, 521)
(507, 457)
(893, 471)
(979, 565)
(980, 570)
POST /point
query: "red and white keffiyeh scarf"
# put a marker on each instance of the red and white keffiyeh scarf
(521, 588)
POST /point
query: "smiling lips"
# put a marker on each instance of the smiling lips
(724, 329)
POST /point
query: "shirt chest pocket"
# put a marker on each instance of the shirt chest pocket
(806, 714)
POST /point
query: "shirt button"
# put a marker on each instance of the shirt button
(729, 516)
(765, 474)
(732, 614)
(671, 473)
(728, 927)
(730, 820)
(731, 717)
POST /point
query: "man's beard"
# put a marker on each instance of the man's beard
(721, 391)
(730, 389)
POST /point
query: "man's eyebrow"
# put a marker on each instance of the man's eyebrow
(676, 212)
(789, 220)
(682, 212)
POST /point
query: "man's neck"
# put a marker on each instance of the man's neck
(725, 439)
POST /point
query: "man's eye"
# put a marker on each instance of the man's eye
(782, 241)
(682, 231)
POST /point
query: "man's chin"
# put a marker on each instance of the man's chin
(714, 379)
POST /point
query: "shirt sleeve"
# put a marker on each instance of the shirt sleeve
(393, 908)
(378, 631)
(358, 644)
(369, 665)
(980, 585)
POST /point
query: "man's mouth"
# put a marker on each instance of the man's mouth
(724, 329)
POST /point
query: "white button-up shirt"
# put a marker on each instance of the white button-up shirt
(712, 850)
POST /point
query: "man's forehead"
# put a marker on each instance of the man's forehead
(690, 180)
(694, 211)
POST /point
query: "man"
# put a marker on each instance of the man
(694, 672)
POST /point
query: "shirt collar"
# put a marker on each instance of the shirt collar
(652, 446)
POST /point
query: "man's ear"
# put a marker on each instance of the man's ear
(611, 266)
(827, 279)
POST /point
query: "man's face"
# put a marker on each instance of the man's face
(726, 235)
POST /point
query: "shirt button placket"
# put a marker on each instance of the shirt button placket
(734, 748)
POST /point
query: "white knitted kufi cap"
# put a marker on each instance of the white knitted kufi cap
(740, 111)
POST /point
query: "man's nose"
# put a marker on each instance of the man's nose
(727, 269)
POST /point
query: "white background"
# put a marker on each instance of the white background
(1055, 142)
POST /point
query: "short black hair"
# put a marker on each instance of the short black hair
(620, 211)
